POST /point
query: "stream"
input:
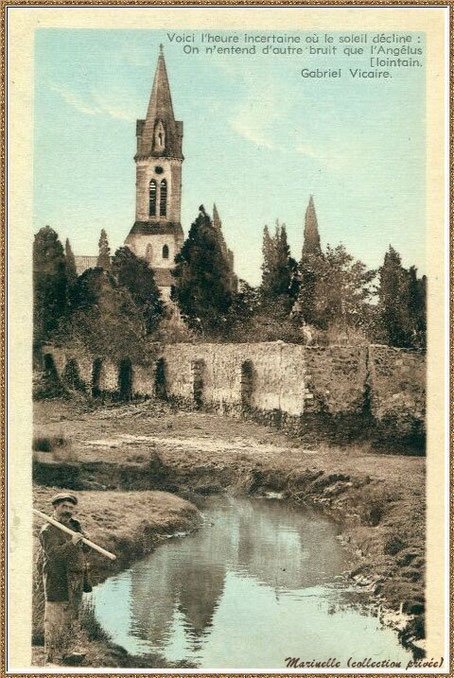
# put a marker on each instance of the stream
(259, 582)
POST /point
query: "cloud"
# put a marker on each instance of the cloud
(92, 104)
(330, 161)
(112, 110)
(254, 118)
(74, 100)
(305, 149)
(250, 122)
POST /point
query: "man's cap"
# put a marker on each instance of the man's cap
(63, 496)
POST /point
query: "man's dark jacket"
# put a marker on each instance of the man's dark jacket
(63, 563)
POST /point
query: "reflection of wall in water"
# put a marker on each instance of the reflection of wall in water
(281, 547)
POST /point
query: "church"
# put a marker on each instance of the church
(157, 235)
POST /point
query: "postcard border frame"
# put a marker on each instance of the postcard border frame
(5, 5)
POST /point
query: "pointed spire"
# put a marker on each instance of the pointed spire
(160, 105)
(311, 243)
(165, 141)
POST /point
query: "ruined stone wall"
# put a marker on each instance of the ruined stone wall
(278, 372)
(397, 381)
(348, 391)
(335, 379)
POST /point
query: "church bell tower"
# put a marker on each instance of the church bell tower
(157, 235)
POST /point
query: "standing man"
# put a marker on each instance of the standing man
(64, 568)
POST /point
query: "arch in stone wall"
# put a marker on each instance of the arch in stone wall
(247, 384)
(50, 369)
(125, 379)
(96, 377)
(71, 375)
(160, 379)
(198, 382)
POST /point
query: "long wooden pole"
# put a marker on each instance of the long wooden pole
(63, 528)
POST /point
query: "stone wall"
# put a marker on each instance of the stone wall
(397, 381)
(345, 392)
(278, 373)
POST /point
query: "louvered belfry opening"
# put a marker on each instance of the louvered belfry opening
(163, 199)
(153, 195)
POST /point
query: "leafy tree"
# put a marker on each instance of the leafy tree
(104, 252)
(135, 275)
(105, 319)
(49, 283)
(272, 322)
(245, 304)
(343, 288)
(335, 291)
(202, 277)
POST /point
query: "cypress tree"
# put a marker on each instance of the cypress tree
(268, 254)
(311, 244)
(104, 252)
(71, 272)
(393, 293)
(277, 266)
(311, 266)
(417, 307)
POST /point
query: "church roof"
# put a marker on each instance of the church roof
(154, 228)
(160, 109)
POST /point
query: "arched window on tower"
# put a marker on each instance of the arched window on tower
(153, 189)
(163, 199)
(149, 254)
(165, 252)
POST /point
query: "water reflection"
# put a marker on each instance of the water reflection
(255, 585)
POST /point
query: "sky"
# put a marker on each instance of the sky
(259, 139)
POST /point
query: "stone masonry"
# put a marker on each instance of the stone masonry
(346, 392)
